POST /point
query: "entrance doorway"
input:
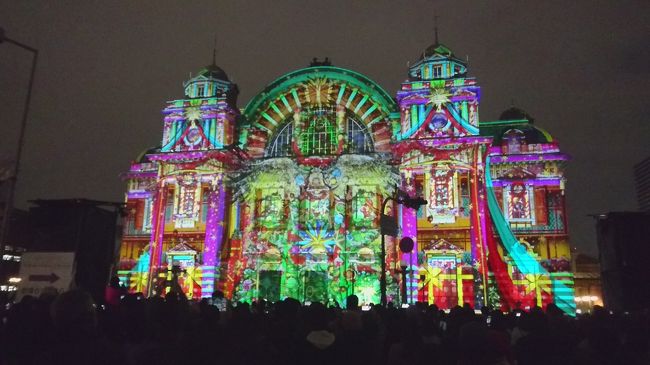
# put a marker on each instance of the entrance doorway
(269, 285)
(316, 286)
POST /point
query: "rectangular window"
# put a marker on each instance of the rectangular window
(364, 208)
(205, 194)
(169, 206)
(270, 211)
(465, 195)
(147, 215)
(437, 71)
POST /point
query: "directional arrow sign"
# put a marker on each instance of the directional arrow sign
(51, 278)
(45, 271)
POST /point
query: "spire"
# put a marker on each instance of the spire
(214, 51)
(435, 27)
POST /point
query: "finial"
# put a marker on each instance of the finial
(435, 26)
(214, 51)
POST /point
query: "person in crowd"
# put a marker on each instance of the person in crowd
(69, 328)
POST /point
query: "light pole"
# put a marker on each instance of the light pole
(388, 226)
(21, 137)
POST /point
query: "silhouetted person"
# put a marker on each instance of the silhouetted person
(317, 346)
(78, 340)
(352, 302)
(114, 292)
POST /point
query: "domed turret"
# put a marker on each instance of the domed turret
(437, 49)
(437, 62)
(516, 124)
(514, 113)
(211, 81)
(215, 72)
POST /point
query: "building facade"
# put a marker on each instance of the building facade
(642, 184)
(622, 239)
(283, 198)
(588, 287)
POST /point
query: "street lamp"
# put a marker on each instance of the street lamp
(389, 227)
(21, 137)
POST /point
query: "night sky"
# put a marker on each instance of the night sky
(106, 68)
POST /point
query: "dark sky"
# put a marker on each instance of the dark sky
(580, 68)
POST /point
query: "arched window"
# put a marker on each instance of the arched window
(281, 144)
(359, 140)
(319, 137)
(514, 140)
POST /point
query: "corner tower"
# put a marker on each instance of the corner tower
(177, 198)
(441, 157)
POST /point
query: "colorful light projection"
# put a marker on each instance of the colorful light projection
(287, 204)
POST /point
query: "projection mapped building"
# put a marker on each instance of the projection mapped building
(283, 198)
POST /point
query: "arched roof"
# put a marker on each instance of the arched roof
(514, 113)
(327, 85)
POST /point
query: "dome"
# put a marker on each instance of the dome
(142, 157)
(437, 62)
(437, 49)
(514, 113)
(515, 123)
(525, 132)
(211, 81)
(215, 72)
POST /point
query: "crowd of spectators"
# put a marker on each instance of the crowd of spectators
(71, 329)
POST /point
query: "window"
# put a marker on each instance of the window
(364, 208)
(205, 193)
(281, 144)
(359, 140)
(515, 140)
(169, 206)
(437, 71)
(320, 136)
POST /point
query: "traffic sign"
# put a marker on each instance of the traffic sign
(406, 244)
(42, 271)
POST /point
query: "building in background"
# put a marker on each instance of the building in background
(624, 246)
(86, 227)
(283, 198)
(588, 287)
(642, 182)
(18, 238)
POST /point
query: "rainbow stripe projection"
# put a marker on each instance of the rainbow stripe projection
(283, 198)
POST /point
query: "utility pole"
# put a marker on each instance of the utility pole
(9, 203)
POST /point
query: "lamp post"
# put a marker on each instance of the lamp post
(406, 245)
(389, 227)
(21, 137)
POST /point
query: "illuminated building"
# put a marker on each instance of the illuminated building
(282, 198)
(588, 288)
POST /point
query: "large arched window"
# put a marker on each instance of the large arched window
(319, 137)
